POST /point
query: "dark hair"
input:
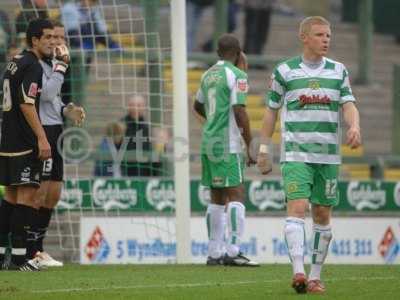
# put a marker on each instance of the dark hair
(35, 29)
(57, 23)
(228, 45)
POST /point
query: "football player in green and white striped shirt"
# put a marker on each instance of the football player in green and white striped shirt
(221, 101)
(310, 90)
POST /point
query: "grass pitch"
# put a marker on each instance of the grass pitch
(194, 282)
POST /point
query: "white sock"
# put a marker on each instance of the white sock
(235, 216)
(215, 218)
(321, 238)
(295, 240)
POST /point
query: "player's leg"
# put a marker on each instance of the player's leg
(232, 174)
(297, 181)
(21, 222)
(214, 216)
(39, 198)
(7, 206)
(52, 180)
(324, 197)
(45, 212)
(25, 176)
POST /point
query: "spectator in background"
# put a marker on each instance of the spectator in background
(30, 9)
(83, 21)
(194, 11)
(257, 24)
(233, 9)
(109, 146)
(5, 38)
(138, 132)
(135, 123)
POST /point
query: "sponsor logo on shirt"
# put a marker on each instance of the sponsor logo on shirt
(242, 85)
(314, 99)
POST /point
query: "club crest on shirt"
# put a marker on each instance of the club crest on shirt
(242, 85)
(313, 84)
(33, 90)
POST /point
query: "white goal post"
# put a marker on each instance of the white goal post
(181, 131)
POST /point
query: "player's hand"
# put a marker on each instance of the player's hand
(353, 138)
(242, 62)
(44, 149)
(75, 113)
(250, 160)
(264, 160)
(61, 53)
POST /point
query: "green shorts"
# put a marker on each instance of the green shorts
(227, 172)
(316, 182)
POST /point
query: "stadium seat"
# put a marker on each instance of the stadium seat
(347, 151)
(127, 41)
(391, 174)
(356, 171)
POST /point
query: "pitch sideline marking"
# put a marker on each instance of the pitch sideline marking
(191, 285)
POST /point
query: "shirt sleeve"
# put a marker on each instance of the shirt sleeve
(239, 89)
(199, 96)
(31, 84)
(276, 90)
(346, 93)
(51, 87)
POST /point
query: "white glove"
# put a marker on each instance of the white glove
(75, 113)
(61, 53)
(60, 67)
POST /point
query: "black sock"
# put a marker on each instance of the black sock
(21, 221)
(43, 225)
(32, 235)
(6, 210)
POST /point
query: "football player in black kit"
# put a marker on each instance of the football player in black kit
(23, 144)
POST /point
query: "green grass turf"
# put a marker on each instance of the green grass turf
(194, 282)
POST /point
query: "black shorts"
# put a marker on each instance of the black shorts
(20, 170)
(53, 168)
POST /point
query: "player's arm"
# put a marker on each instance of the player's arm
(242, 121)
(264, 157)
(352, 119)
(350, 112)
(198, 107)
(27, 98)
(239, 87)
(52, 87)
(274, 102)
(31, 116)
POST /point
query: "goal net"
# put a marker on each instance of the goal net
(118, 203)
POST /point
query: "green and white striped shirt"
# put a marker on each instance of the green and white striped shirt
(310, 100)
(222, 86)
